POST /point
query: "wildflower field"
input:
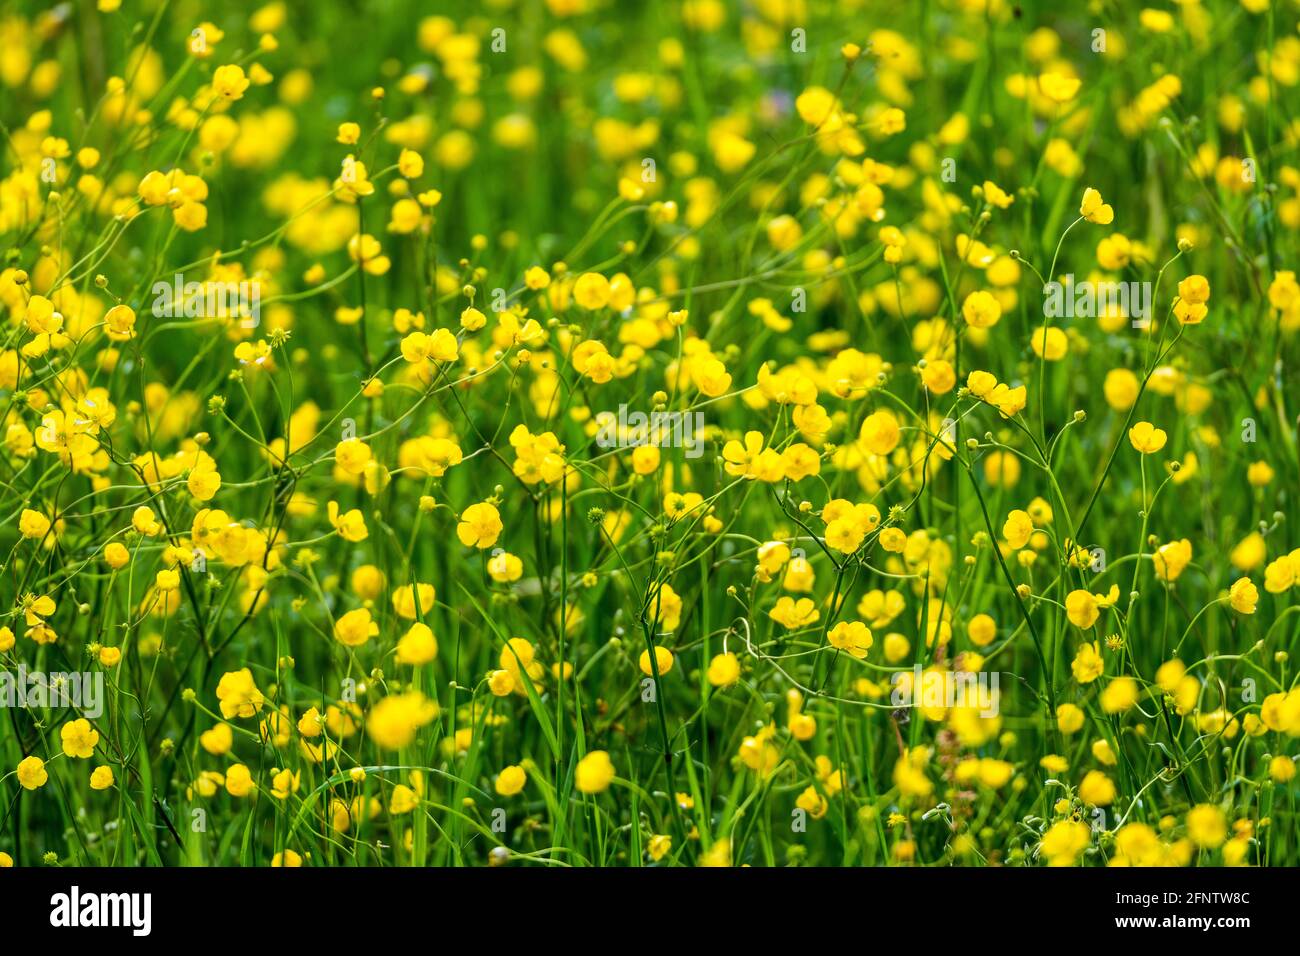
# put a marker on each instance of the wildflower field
(590, 433)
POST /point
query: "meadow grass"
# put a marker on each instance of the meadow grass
(955, 529)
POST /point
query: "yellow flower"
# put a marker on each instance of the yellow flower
(1146, 438)
(65, 436)
(284, 783)
(1169, 674)
(540, 458)
(995, 773)
(351, 526)
(909, 774)
(33, 524)
(41, 317)
(752, 460)
(893, 540)
(352, 455)
(1050, 344)
(404, 600)
(1243, 596)
(1206, 826)
(1195, 289)
(143, 521)
(659, 846)
(1282, 769)
(980, 384)
(1190, 313)
(1097, 789)
(1281, 712)
(238, 694)
(479, 526)
(879, 433)
(1171, 558)
(939, 376)
(1119, 695)
(1094, 210)
(799, 461)
(410, 164)
(717, 855)
(1249, 553)
(79, 738)
(309, 724)
(1136, 844)
(730, 151)
(355, 628)
(851, 636)
(1088, 663)
(394, 721)
(510, 781)
(229, 81)
(217, 740)
(204, 480)
(724, 670)
(812, 802)
(31, 773)
(1280, 575)
(517, 659)
(1069, 718)
(1081, 608)
(1058, 87)
(1009, 401)
(793, 614)
(505, 567)
(594, 773)
(101, 778)
(1259, 473)
(981, 310)
(592, 291)
(417, 646)
(1064, 841)
(996, 196)
(663, 659)
(982, 630)
(239, 781)
(1018, 528)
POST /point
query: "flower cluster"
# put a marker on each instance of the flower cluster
(307, 374)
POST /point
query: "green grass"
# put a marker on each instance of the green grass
(539, 162)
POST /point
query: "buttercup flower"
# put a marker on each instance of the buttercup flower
(1146, 438)
(594, 772)
(79, 738)
(31, 773)
(1094, 210)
